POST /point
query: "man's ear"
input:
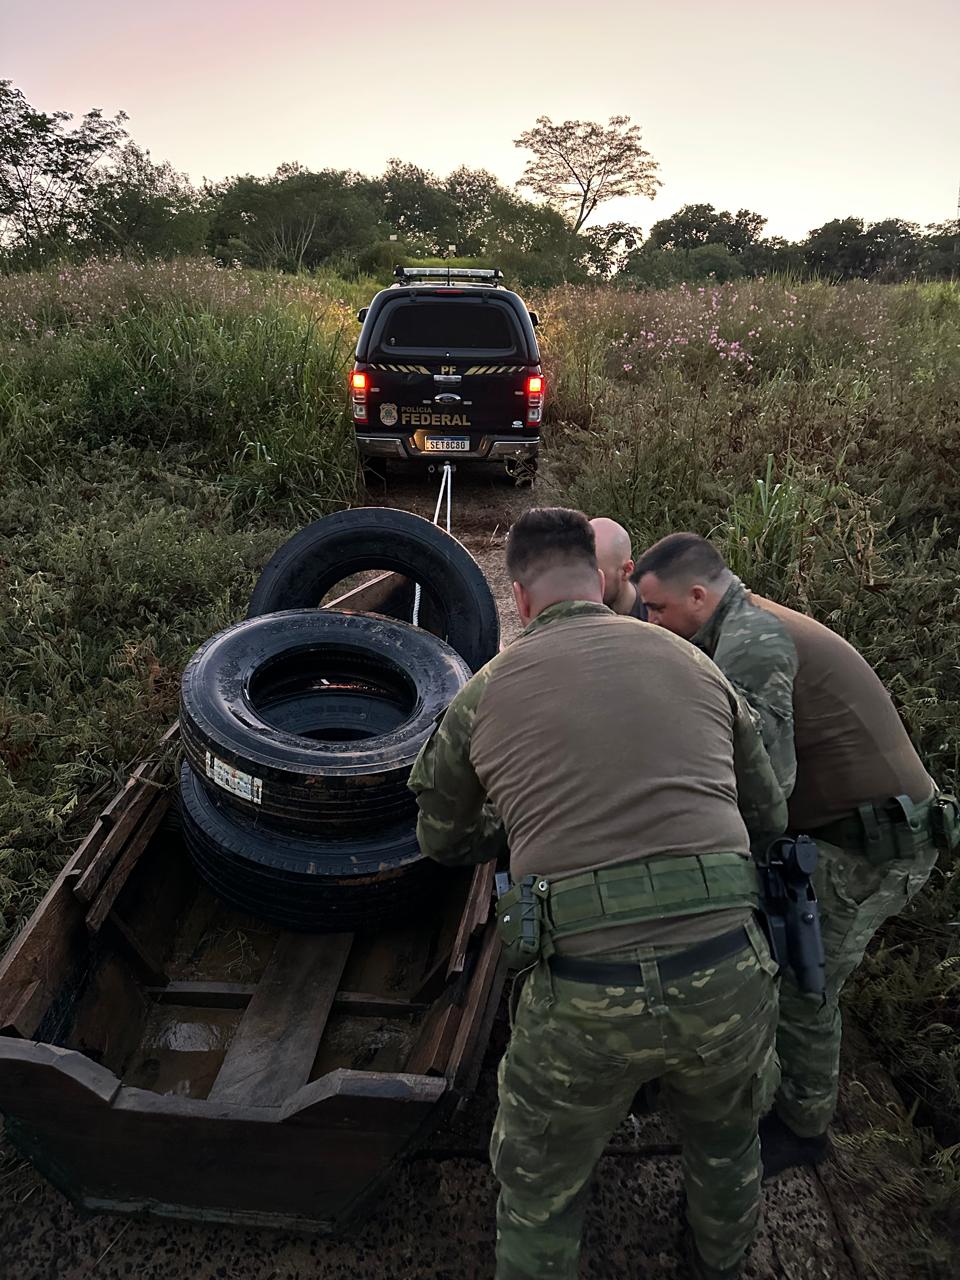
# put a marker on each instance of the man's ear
(603, 582)
(522, 601)
(628, 568)
(698, 594)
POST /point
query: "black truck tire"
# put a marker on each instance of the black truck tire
(346, 777)
(301, 882)
(461, 603)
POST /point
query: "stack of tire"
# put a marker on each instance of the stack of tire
(300, 725)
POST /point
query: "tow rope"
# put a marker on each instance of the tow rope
(446, 487)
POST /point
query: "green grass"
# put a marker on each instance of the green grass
(164, 427)
(162, 430)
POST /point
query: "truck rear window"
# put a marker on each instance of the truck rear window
(447, 326)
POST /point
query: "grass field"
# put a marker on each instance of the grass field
(162, 428)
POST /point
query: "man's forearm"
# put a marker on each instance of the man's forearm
(455, 844)
(762, 801)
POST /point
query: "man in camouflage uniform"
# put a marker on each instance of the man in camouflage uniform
(854, 783)
(617, 798)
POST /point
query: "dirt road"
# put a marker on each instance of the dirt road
(435, 1221)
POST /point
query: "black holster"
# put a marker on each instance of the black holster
(791, 913)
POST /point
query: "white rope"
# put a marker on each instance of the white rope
(446, 487)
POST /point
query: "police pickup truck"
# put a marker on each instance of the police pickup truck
(448, 368)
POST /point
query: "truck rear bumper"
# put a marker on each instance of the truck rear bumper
(490, 448)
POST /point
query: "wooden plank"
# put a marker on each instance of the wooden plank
(24, 1013)
(434, 980)
(110, 815)
(466, 1070)
(104, 822)
(205, 995)
(53, 946)
(276, 1042)
(370, 595)
(237, 995)
(363, 1004)
(109, 889)
(143, 961)
(431, 1052)
(478, 1008)
(311, 1161)
(476, 913)
(142, 797)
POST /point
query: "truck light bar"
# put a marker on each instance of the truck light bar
(448, 273)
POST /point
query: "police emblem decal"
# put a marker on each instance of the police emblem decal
(388, 414)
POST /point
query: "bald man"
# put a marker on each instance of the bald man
(615, 560)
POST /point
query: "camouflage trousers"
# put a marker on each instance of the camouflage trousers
(577, 1056)
(855, 899)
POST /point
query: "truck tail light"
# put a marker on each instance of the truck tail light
(358, 388)
(534, 399)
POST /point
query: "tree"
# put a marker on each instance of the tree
(47, 171)
(579, 164)
(837, 248)
(892, 249)
(297, 220)
(698, 224)
(653, 267)
(475, 194)
(940, 249)
(417, 208)
(135, 204)
(611, 246)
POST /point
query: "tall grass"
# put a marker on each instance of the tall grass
(162, 429)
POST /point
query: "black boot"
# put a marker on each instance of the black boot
(700, 1270)
(781, 1148)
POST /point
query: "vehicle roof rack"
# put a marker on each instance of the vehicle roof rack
(481, 275)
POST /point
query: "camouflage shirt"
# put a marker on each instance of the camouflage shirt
(695, 789)
(754, 651)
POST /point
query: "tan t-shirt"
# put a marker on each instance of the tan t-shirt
(602, 741)
(852, 747)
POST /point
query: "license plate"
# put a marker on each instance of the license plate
(446, 444)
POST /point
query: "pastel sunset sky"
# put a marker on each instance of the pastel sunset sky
(801, 111)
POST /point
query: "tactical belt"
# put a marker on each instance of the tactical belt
(678, 965)
(652, 889)
(535, 914)
(883, 832)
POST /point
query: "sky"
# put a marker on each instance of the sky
(800, 111)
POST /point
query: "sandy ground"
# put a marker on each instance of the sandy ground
(435, 1221)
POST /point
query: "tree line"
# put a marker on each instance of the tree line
(81, 188)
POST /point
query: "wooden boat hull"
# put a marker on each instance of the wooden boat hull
(160, 1053)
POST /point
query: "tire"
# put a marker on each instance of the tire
(321, 555)
(345, 777)
(359, 711)
(299, 882)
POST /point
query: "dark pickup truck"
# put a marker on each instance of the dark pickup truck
(448, 368)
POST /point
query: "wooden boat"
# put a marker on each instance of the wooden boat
(160, 1053)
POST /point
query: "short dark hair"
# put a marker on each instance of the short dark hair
(681, 555)
(547, 537)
